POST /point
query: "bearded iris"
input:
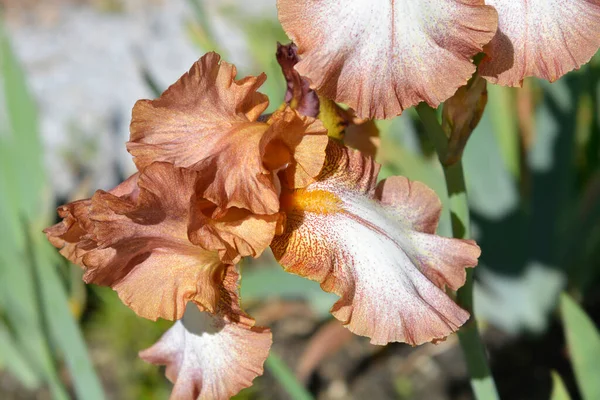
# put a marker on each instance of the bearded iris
(216, 183)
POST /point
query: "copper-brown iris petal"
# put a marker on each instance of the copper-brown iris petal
(140, 245)
(73, 235)
(295, 143)
(207, 121)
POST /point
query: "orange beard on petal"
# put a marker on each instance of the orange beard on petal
(314, 201)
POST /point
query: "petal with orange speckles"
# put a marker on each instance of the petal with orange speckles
(542, 38)
(375, 247)
(381, 57)
(212, 356)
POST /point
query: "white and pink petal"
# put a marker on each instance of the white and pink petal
(390, 276)
(542, 38)
(381, 56)
(212, 356)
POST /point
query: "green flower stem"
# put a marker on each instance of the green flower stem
(482, 381)
(286, 378)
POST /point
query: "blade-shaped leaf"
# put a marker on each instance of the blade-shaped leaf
(559, 391)
(286, 378)
(583, 340)
(22, 149)
(63, 329)
(12, 359)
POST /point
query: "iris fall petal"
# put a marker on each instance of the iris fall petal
(138, 239)
(73, 235)
(381, 57)
(144, 252)
(212, 356)
(542, 38)
(375, 247)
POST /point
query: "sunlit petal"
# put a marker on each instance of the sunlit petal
(143, 248)
(236, 234)
(375, 248)
(542, 38)
(383, 56)
(212, 356)
(296, 143)
(73, 235)
(140, 239)
(207, 121)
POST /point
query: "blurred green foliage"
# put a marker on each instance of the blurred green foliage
(583, 341)
(38, 332)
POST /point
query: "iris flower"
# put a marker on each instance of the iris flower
(216, 182)
(383, 56)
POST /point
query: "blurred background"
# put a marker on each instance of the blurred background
(70, 72)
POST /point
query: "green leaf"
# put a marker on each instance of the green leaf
(583, 340)
(12, 359)
(286, 378)
(34, 305)
(504, 121)
(559, 391)
(62, 327)
(492, 190)
(286, 285)
(21, 147)
(21, 182)
(21, 307)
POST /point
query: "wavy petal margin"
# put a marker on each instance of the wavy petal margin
(73, 236)
(375, 247)
(295, 143)
(207, 121)
(381, 56)
(212, 356)
(140, 244)
(238, 233)
(542, 38)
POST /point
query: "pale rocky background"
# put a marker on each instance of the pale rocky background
(84, 61)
